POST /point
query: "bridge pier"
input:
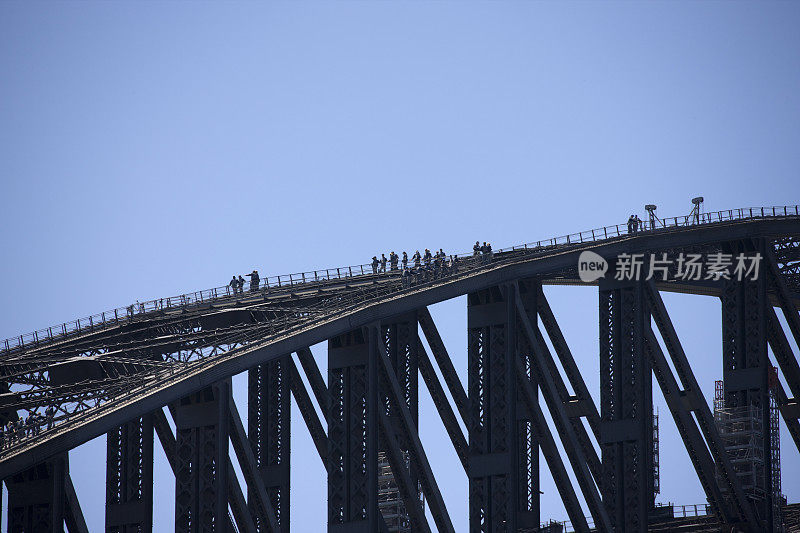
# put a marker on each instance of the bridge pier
(129, 477)
(36, 499)
(353, 433)
(269, 431)
(746, 393)
(626, 406)
(502, 470)
(201, 477)
(43, 499)
(400, 337)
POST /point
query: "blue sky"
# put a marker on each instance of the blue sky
(148, 149)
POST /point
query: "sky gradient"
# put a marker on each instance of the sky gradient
(149, 149)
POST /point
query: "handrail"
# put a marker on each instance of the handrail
(678, 511)
(133, 312)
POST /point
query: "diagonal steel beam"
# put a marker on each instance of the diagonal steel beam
(550, 452)
(238, 504)
(315, 379)
(697, 403)
(76, 523)
(168, 443)
(310, 416)
(789, 366)
(567, 361)
(420, 460)
(442, 404)
(405, 485)
(449, 374)
(585, 404)
(247, 462)
(791, 419)
(575, 452)
(783, 352)
(692, 438)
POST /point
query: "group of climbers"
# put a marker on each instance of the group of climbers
(237, 284)
(17, 430)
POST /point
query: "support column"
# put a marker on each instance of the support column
(503, 489)
(269, 430)
(201, 480)
(129, 477)
(353, 433)
(37, 499)
(626, 406)
(400, 338)
(745, 373)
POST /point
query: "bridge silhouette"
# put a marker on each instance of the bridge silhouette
(162, 369)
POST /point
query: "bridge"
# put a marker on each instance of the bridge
(162, 369)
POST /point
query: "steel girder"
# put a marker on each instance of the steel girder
(442, 404)
(269, 431)
(236, 500)
(703, 443)
(376, 305)
(746, 369)
(626, 407)
(43, 499)
(789, 407)
(398, 342)
(129, 477)
(306, 408)
(504, 483)
(201, 479)
(449, 374)
(580, 451)
(353, 433)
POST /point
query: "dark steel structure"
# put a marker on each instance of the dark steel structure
(162, 370)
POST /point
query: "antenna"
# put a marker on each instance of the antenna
(651, 210)
(697, 209)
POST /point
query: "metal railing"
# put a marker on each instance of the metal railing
(134, 312)
(678, 511)
(359, 296)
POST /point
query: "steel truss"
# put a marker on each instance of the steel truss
(269, 429)
(626, 407)
(129, 477)
(370, 403)
(43, 498)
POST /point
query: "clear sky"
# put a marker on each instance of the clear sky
(149, 149)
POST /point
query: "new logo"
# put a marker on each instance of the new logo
(591, 266)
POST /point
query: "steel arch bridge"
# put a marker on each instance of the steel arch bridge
(124, 372)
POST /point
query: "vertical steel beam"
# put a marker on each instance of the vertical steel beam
(244, 520)
(745, 371)
(626, 407)
(353, 433)
(129, 477)
(37, 497)
(201, 480)
(504, 488)
(269, 430)
(399, 338)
